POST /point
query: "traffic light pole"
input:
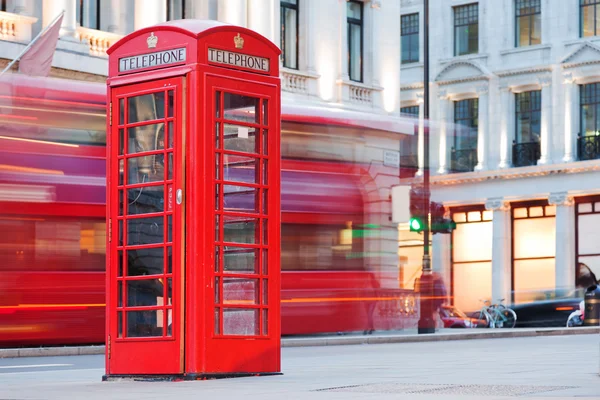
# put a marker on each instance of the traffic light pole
(426, 322)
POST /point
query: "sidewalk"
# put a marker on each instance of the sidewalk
(408, 336)
(543, 367)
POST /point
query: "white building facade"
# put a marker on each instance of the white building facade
(515, 142)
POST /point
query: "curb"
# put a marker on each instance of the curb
(335, 340)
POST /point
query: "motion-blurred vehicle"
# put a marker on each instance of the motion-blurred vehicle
(545, 313)
(52, 219)
(455, 318)
(576, 317)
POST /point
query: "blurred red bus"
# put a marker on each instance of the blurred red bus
(52, 221)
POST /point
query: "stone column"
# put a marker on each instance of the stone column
(149, 12)
(233, 12)
(501, 249)
(114, 21)
(262, 16)
(506, 130)
(52, 9)
(482, 129)
(344, 72)
(546, 128)
(565, 241)
(444, 155)
(421, 143)
(570, 117)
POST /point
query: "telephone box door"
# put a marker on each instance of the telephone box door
(146, 199)
(243, 316)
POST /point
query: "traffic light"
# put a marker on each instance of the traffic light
(439, 224)
(418, 213)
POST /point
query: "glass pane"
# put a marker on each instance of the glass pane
(488, 215)
(121, 111)
(474, 216)
(265, 141)
(145, 200)
(520, 213)
(265, 177)
(355, 52)
(536, 212)
(240, 322)
(265, 238)
(145, 169)
(534, 238)
(589, 234)
(240, 169)
(466, 294)
(265, 292)
(217, 322)
(217, 166)
(240, 260)
(265, 120)
(218, 104)
(265, 322)
(217, 291)
(170, 322)
(240, 198)
(289, 34)
(145, 262)
(121, 231)
(169, 260)
(265, 203)
(472, 242)
(265, 262)
(587, 21)
(354, 10)
(240, 108)
(145, 138)
(585, 207)
(240, 291)
(144, 323)
(120, 263)
(240, 138)
(217, 260)
(121, 171)
(217, 197)
(145, 292)
(217, 136)
(523, 31)
(240, 230)
(536, 29)
(217, 229)
(119, 324)
(120, 294)
(170, 228)
(145, 231)
(120, 200)
(121, 141)
(171, 103)
(146, 107)
(533, 278)
(460, 217)
(171, 132)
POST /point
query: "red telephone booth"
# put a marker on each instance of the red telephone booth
(193, 274)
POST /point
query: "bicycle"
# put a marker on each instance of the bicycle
(497, 315)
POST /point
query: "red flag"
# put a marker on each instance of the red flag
(37, 60)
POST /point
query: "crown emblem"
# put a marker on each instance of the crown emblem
(239, 41)
(152, 41)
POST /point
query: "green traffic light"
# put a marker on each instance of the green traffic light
(415, 225)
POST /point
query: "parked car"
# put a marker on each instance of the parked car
(545, 313)
(454, 318)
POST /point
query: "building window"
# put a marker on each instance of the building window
(2, 5)
(528, 114)
(589, 13)
(528, 22)
(588, 143)
(588, 256)
(355, 40)
(88, 13)
(289, 33)
(464, 152)
(410, 38)
(175, 10)
(409, 147)
(471, 257)
(534, 245)
(466, 29)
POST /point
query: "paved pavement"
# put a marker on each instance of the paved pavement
(550, 367)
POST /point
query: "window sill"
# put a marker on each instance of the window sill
(526, 49)
(414, 65)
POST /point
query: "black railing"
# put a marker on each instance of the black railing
(525, 154)
(463, 160)
(588, 147)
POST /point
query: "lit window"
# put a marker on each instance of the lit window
(528, 22)
(528, 114)
(410, 38)
(589, 13)
(289, 33)
(466, 29)
(88, 13)
(355, 40)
